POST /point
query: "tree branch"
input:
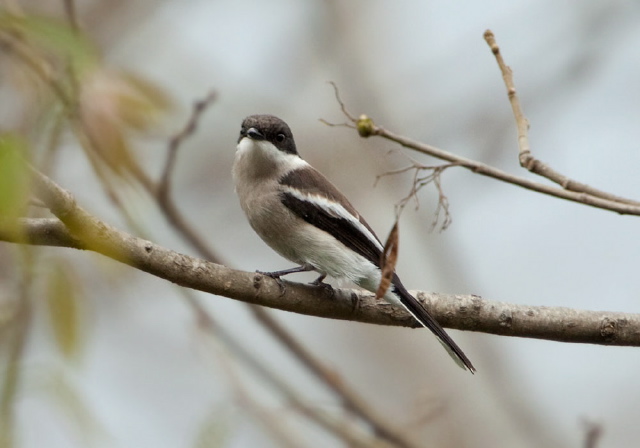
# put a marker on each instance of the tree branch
(463, 312)
(526, 158)
(624, 208)
(38, 232)
(572, 191)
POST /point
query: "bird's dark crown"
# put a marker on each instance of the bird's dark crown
(269, 128)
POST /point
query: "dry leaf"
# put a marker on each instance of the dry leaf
(388, 260)
(63, 301)
(14, 181)
(111, 104)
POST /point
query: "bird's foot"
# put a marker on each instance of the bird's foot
(326, 286)
(319, 281)
(276, 276)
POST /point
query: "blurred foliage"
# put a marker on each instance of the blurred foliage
(51, 38)
(14, 179)
(216, 430)
(59, 86)
(63, 300)
(112, 103)
(102, 104)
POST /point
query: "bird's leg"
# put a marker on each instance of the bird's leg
(319, 281)
(277, 274)
(302, 268)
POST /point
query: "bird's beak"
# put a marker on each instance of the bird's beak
(254, 134)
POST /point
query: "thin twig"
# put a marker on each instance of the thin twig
(483, 169)
(164, 187)
(526, 158)
(343, 108)
(434, 176)
(443, 201)
(162, 192)
(571, 191)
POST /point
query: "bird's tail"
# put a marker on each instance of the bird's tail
(416, 309)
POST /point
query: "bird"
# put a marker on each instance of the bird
(302, 216)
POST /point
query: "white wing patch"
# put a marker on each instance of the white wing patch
(334, 209)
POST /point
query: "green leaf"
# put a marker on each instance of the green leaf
(14, 177)
(63, 300)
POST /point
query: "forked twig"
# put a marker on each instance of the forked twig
(526, 158)
(367, 128)
(434, 175)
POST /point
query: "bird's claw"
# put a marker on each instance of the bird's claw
(319, 281)
(276, 277)
(321, 284)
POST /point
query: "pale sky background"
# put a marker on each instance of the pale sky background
(149, 378)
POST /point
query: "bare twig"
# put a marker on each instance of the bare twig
(162, 193)
(571, 190)
(443, 202)
(371, 129)
(419, 181)
(526, 158)
(164, 187)
(343, 108)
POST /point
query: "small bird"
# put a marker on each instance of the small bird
(306, 219)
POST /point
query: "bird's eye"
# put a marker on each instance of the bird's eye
(280, 138)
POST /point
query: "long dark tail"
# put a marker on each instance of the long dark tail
(422, 315)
